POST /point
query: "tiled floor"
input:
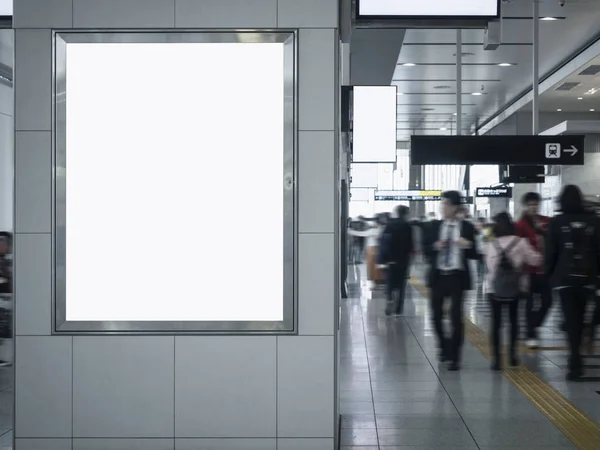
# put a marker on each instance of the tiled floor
(395, 395)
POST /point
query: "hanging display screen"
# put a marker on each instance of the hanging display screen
(148, 237)
(428, 8)
(374, 124)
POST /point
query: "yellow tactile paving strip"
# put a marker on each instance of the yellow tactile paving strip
(579, 428)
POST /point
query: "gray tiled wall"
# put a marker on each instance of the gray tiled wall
(185, 392)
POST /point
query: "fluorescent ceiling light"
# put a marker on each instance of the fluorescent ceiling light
(579, 98)
(443, 129)
(592, 110)
(505, 64)
(549, 18)
(476, 93)
(409, 64)
(559, 110)
(400, 93)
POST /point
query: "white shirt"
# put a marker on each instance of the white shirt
(372, 235)
(455, 257)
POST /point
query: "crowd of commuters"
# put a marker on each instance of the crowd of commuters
(531, 259)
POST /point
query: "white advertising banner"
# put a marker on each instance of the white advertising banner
(163, 178)
(429, 8)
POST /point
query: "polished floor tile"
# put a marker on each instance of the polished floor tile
(396, 396)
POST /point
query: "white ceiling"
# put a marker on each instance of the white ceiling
(431, 83)
(588, 90)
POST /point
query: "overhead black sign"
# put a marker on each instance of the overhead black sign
(467, 200)
(510, 150)
(494, 192)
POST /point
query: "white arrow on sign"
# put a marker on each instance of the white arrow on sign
(573, 150)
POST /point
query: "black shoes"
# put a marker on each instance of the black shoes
(575, 375)
(442, 357)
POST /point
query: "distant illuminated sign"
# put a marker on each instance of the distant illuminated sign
(428, 8)
(413, 195)
(499, 192)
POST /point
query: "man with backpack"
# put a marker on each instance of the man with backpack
(572, 260)
(396, 248)
(532, 226)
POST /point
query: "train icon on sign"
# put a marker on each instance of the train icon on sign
(553, 151)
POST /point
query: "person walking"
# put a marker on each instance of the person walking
(533, 226)
(450, 246)
(572, 260)
(505, 257)
(397, 245)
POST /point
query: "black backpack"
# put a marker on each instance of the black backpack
(506, 282)
(578, 260)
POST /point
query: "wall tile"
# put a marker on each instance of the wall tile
(6, 98)
(316, 182)
(225, 386)
(33, 79)
(305, 444)
(123, 386)
(33, 167)
(33, 261)
(317, 284)
(226, 13)
(305, 369)
(308, 13)
(43, 14)
(43, 444)
(43, 387)
(123, 444)
(317, 79)
(225, 444)
(123, 13)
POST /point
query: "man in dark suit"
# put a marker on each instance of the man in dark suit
(396, 247)
(449, 246)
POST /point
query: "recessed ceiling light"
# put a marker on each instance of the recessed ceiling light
(559, 110)
(548, 18)
(409, 64)
(476, 93)
(579, 98)
(455, 114)
(443, 129)
(505, 64)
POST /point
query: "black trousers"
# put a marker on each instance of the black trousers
(497, 307)
(534, 317)
(397, 274)
(574, 302)
(449, 286)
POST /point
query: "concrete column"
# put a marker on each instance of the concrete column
(217, 391)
